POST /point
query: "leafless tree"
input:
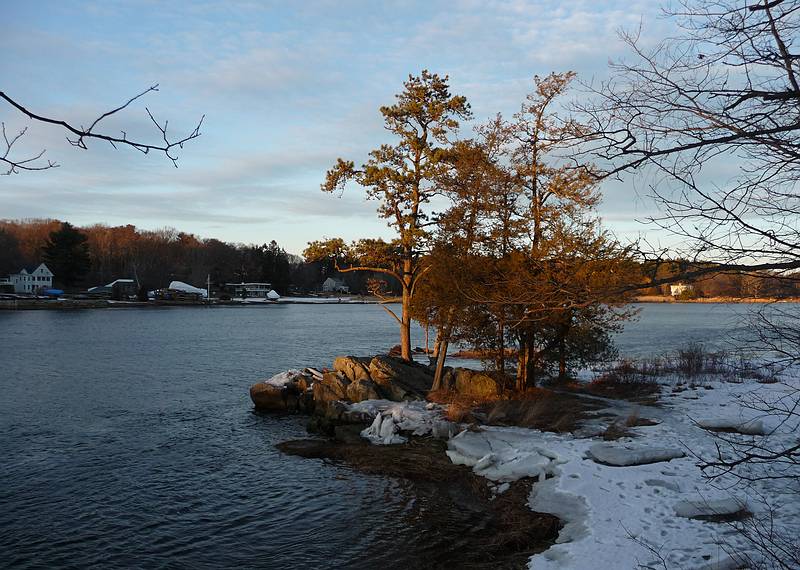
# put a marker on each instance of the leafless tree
(722, 94)
(78, 136)
(711, 118)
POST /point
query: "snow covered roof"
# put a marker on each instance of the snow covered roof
(110, 286)
(186, 288)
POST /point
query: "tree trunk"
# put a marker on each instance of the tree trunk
(437, 377)
(405, 317)
(405, 333)
(522, 366)
(562, 359)
(531, 361)
(437, 343)
(500, 363)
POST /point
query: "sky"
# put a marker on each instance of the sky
(286, 88)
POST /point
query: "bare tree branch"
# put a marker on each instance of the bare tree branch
(80, 135)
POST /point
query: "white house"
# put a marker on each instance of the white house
(679, 288)
(332, 285)
(30, 280)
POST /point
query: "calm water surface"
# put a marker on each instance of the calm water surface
(127, 438)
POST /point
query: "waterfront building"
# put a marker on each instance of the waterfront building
(29, 280)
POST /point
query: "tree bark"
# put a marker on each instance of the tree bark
(437, 342)
(405, 317)
(522, 365)
(405, 326)
(500, 363)
(442, 356)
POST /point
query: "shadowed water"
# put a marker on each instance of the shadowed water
(127, 438)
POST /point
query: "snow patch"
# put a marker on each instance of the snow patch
(702, 507)
(282, 379)
(746, 427)
(624, 455)
(572, 509)
(500, 458)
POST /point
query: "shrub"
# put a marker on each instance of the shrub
(690, 359)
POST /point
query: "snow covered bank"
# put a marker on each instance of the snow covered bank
(631, 502)
(502, 455)
(619, 513)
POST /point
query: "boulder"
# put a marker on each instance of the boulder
(267, 397)
(352, 367)
(306, 402)
(336, 384)
(328, 415)
(331, 389)
(400, 380)
(287, 398)
(286, 391)
(363, 390)
(475, 383)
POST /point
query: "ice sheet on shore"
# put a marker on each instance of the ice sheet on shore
(613, 511)
(391, 419)
(501, 458)
(703, 507)
(738, 425)
(627, 510)
(624, 455)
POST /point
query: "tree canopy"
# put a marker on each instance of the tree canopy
(403, 178)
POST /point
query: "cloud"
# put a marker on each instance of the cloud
(286, 90)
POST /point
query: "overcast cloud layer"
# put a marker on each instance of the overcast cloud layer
(286, 89)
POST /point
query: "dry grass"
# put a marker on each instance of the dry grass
(542, 409)
(634, 420)
(539, 408)
(616, 430)
(624, 387)
(621, 426)
(461, 408)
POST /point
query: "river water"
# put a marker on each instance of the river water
(127, 438)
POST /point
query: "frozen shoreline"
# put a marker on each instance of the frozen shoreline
(636, 500)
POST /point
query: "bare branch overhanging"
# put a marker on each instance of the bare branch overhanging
(80, 135)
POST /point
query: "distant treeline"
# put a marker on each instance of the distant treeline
(156, 257)
(734, 284)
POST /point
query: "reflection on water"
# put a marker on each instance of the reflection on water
(127, 437)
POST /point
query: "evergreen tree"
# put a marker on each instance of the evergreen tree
(10, 255)
(403, 179)
(67, 255)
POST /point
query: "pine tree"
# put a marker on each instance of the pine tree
(67, 255)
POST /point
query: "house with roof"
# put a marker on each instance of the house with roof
(250, 290)
(680, 288)
(333, 285)
(29, 280)
(120, 289)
